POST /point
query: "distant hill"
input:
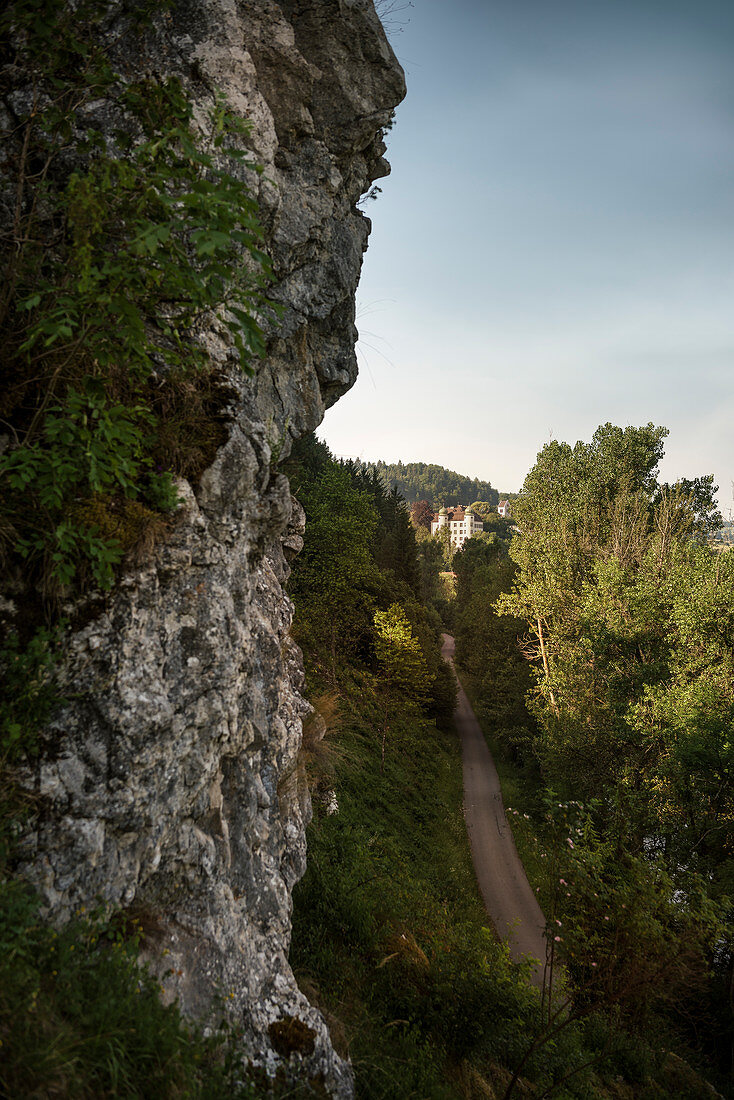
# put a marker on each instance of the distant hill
(424, 481)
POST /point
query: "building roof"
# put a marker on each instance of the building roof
(455, 515)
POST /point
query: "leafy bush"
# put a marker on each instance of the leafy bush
(27, 690)
(124, 243)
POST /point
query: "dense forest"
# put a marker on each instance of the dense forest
(390, 937)
(424, 481)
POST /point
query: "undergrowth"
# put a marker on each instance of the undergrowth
(79, 1017)
(391, 940)
(389, 932)
(615, 931)
(390, 937)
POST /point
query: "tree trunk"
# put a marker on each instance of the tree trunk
(544, 655)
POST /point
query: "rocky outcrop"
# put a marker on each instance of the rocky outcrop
(169, 784)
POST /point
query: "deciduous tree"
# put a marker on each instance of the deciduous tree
(421, 514)
(404, 668)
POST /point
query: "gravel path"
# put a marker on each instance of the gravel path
(508, 896)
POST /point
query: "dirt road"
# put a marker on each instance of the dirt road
(508, 896)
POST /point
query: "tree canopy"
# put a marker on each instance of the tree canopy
(425, 481)
(631, 616)
(624, 613)
(360, 581)
(421, 514)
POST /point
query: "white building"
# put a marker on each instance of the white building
(504, 507)
(461, 524)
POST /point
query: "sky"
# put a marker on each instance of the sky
(554, 247)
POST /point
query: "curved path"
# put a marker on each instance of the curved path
(507, 894)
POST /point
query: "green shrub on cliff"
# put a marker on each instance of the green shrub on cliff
(124, 239)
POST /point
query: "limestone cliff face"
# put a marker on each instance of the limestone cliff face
(170, 782)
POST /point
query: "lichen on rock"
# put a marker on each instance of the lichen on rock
(169, 782)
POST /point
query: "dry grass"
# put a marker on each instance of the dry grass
(191, 415)
(471, 1085)
(402, 945)
(341, 1036)
(318, 753)
(8, 539)
(137, 528)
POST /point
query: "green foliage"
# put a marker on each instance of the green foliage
(495, 524)
(87, 446)
(335, 577)
(28, 693)
(631, 616)
(487, 645)
(161, 492)
(388, 928)
(615, 915)
(685, 719)
(404, 671)
(705, 519)
(443, 538)
(389, 935)
(400, 656)
(127, 237)
(88, 439)
(395, 548)
(484, 510)
(80, 1017)
(359, 557)
(626, 616)
(425, 481)
(430, 564)
(159, 233)
(124, 243)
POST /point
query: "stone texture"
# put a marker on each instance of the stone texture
(170, 783)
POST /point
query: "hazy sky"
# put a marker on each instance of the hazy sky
(555, 245)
